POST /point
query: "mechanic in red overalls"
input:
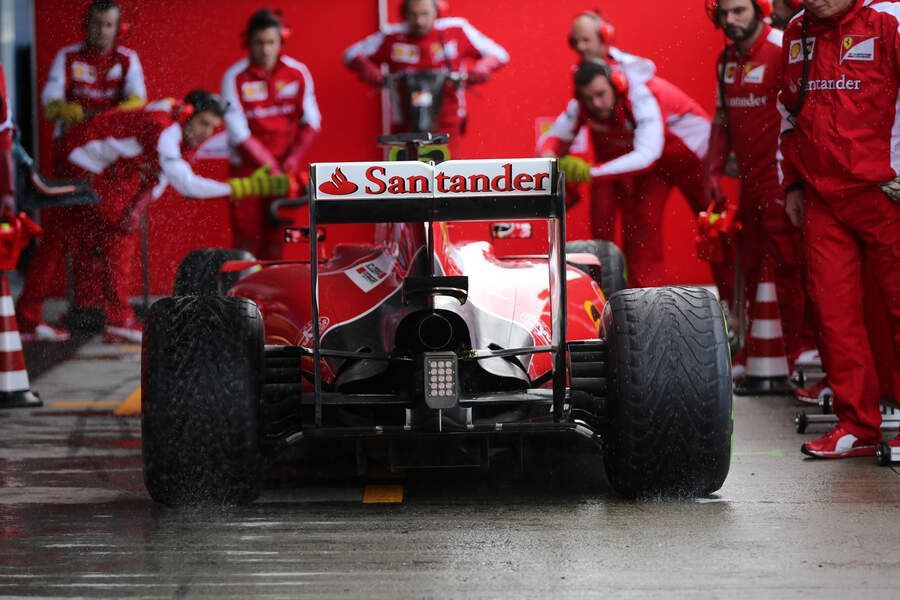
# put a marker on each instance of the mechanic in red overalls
(130, 157)
(652, 133)
(424, 42)
(272, 118)
(592, 36)
(85, 79)
(841, 171)
(7, 173)
(747, 121)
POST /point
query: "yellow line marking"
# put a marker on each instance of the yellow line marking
(83, 404)
(131, 406)
(383, 494)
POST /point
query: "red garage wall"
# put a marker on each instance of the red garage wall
(183, 45)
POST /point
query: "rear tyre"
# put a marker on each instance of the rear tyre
(670, 403)
(612, 259)
(201, 385)
(198, 272)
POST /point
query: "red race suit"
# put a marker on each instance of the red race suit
(130, 157)
(95, 80)
(451, 41)
(271, 117)
(656, 138)
(749, 123)
(842, 144)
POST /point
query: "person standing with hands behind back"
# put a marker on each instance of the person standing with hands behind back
(839, 101)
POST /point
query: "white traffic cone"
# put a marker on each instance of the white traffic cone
(15, 389)
(767, 366)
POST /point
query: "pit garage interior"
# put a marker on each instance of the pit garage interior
(542, 521)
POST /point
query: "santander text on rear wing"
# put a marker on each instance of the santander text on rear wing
(451, 191)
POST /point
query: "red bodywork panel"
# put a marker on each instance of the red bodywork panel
(362, 279)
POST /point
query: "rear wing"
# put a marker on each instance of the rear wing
(455, 190)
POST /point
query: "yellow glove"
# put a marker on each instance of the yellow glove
(70, 112)
(260, 183)
(53, 109)
(132, 102)
(576, 170)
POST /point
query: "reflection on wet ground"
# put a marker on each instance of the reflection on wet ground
(75, 520)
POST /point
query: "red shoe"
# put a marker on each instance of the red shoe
(838, 443)
(895, 443)
(815, 394)
(41, 332)
(129, 332)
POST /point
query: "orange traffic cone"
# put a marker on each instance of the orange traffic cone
(15, 390)
(767, 366)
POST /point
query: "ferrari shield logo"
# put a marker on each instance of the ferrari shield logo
(855, 48)
(754, 74)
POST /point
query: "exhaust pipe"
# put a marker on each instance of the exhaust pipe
(435, 332)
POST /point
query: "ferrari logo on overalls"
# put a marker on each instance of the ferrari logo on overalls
(848, 41)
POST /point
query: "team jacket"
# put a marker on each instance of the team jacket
(97, 81)
(750, 85)
(272, 107)
(847, 134)
(148, 141)
(651, 121)
(636, 68)
(451, 40)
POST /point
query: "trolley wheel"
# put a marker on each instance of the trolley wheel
(883, 453)
(801, 420)
(827, 408)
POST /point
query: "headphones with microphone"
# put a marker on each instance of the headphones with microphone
(264, 19)
(198, 101)
(605, 29)
(763, 9)
(103, 6)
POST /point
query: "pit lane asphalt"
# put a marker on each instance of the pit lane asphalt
(75, 520)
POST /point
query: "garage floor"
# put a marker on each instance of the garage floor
(75, 520)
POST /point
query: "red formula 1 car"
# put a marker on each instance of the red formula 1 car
(425, 342)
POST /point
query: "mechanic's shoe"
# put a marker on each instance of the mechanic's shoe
(895, 443)
(815, 394)
(809, 357)
(739, 364)
(838, 443)
(41, 332)
(129, 332)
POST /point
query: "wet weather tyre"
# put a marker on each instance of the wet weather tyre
(201, 384)
(610, 257)
(198, 272)
(670, 404)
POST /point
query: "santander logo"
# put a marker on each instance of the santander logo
(339, 184)
(455, 178)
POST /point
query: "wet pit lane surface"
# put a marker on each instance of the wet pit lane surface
(75, 520)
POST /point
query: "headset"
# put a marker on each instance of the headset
(763, 9)
(605, 29)
(103, 6)
(266, 18)
(441, 6)
(616, 78)
(197, 101)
